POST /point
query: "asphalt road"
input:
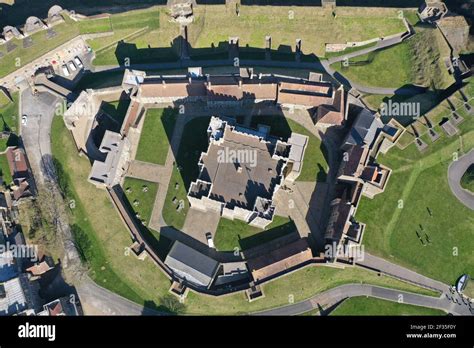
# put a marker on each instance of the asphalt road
(99, 301)
(340, 293)
(379, 45)
(455, 172)
(394, 270)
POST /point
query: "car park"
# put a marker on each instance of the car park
(71, 66)
(78, 62)
(65, 70)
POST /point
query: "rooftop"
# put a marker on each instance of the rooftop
(280, 260)
(14, 300)
(116, 149)
(17, 161)
(241, 168)
(364, 129)
(191, 265)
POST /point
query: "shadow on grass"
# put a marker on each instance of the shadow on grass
(169, 305)
(129, 54)
(268, 235)
(116, 111)
(168, 119)
(157, 242)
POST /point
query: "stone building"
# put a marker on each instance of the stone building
(242, 170)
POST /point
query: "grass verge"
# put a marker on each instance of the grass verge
(375, 306)
(156, 135)
(233, 234)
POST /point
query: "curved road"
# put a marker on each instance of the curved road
(340, 293)
(455, 172)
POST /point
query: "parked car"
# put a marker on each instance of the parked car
(72, 66)
(210, 242)
(65, 70)
(78, 62)
(24, 120)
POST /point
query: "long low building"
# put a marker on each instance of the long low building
(280, 260)
(191, 265)
(234, 90)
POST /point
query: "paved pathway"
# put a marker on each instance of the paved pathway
(455, 172)
(96, 300)
(379, 45)
(198, 223)
(389, 268)
(147, 171)
(156, 220)
(334, 296)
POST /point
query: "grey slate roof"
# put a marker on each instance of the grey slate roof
(364, 129)
(191, 265)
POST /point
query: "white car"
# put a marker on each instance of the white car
(71, 66)
(78, 62)
(210, 242)
(65, 70)
(24, 120)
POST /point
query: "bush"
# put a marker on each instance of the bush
(83, 243)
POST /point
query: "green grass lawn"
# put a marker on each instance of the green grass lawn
(467, 180)
(315, 165)
(233, 234)
(104, 239)
(210, 31)
(98, 25)
(9, 114)
(419, 185)
(156, 134)
(5, 170)
(417, 61)
(193, 142)
(133, 189)
(142, 36)
(375, 306)
(4, 99)
(349, 50)
(375, 72)
(215, 24)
